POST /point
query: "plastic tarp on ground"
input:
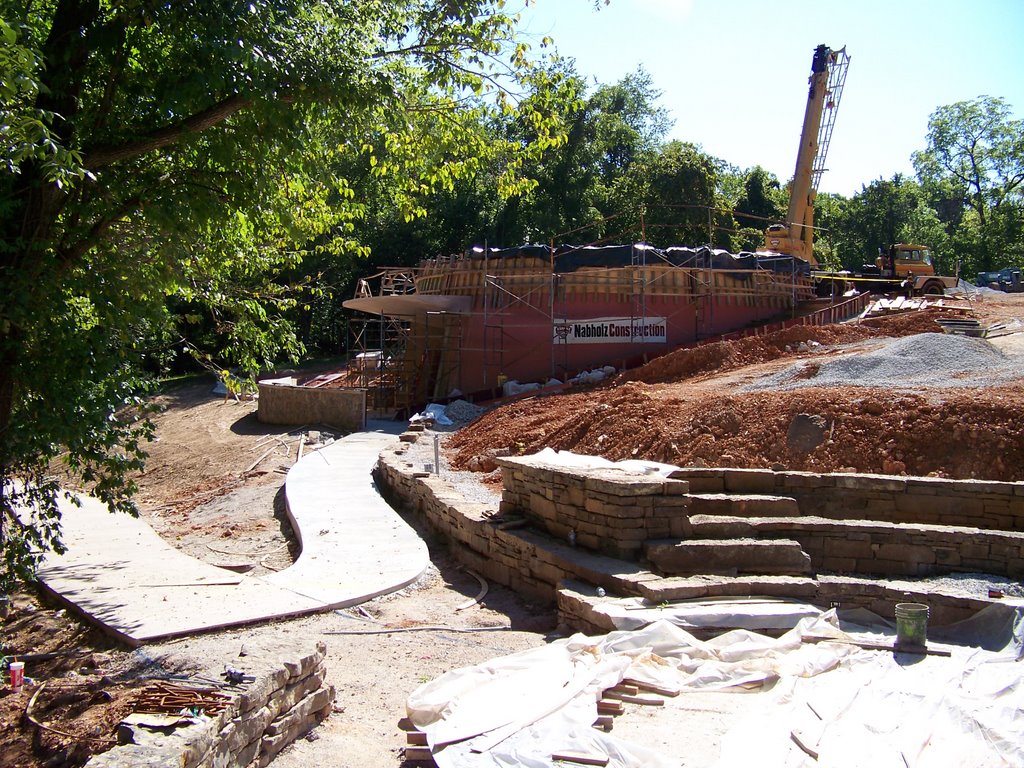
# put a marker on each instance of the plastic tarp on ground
(571, 460)
(757, 613)
(846, 705)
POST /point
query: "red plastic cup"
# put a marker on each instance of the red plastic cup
(17, 675)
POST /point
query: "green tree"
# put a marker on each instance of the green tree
(831, 212)
(974, 170)
(882, 213)
(195, 152)
(761, 203)
(680, 191)
(608, 133)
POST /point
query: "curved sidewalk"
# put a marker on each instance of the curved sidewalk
(120, 574)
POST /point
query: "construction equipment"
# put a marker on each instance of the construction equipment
(905, 267)
(828, 76)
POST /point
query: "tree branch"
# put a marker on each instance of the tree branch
(101, 156)
(97, 231)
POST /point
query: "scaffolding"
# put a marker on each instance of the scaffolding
(510, 304)
(403, 362)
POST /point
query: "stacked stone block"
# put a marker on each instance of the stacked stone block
(286, 701)
(881, 548)
(603, 510)
(983, 504)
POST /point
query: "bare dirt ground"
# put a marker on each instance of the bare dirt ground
(213, 487)
(703, 406)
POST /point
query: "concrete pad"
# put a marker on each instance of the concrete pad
(120, 574)
(354, 545)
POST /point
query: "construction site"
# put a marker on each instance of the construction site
(822, 476)
(598, 505)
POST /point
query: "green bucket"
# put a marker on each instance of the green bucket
(911, 625)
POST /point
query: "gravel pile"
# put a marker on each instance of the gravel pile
(463, 412)
(466, 484)
(976, 584)
(927, 359)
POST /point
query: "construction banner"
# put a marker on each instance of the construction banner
(612, 330)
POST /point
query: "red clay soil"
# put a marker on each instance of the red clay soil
(88, 689)
(719, 356)
(680, 409)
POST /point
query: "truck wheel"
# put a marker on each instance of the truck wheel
(934, 289)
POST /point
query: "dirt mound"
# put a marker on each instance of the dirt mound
(868, 430)
(677, 410)
(735, 353)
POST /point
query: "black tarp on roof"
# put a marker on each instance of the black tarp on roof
(532, 251)
(708, 258)
(569, 258)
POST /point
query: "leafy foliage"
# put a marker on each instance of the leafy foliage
(170, 173)
(761, 203)
(973, 169)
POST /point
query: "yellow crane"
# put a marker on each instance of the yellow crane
(828, 76)
(905, 267)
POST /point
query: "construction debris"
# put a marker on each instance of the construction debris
(165, 697)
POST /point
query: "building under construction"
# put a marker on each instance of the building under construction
(464, 325)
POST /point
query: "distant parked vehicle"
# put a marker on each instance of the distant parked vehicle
(1001, 280)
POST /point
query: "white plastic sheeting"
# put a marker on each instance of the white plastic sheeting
(901, 710)
(871, 708)
(571, 460)
(433, 412)
(756, 613)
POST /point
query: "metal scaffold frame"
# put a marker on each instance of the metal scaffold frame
(404, 364)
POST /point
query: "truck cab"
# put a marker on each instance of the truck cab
(905, 260)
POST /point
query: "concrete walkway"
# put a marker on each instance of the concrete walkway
(120, 574)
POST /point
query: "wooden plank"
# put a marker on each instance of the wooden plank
(648, 701)
(419, 755)
(920, 651)
(610, 707)
(416, 738)
(630, 690)
(652, 687)
(801, 740)
(568, 757)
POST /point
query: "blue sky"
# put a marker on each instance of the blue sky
(733, 73)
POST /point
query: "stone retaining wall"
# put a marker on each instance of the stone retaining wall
(498, 547)
(281, 402)
(923, 500)
(884, 549)
(287, 700)
(606, 511)
(538, 563)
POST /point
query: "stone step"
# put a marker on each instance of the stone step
(743, 505)
(736, 604)
(581, 604)
(672, 588)
(873, 547)
(727, 556)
